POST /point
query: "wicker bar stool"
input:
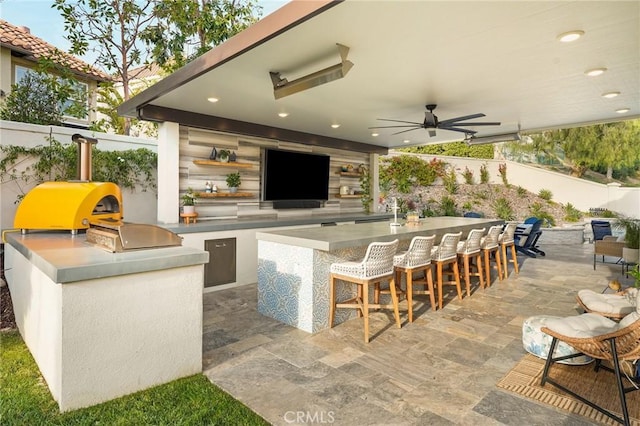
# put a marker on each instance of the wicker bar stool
(506, 241)
(376, 266)
(416, 259)
(443, 254)
(489, 247)
(469, 250)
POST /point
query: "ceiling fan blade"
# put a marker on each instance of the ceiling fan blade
(408, 130)
(458, 129)
(484, 123)
(463, 118)
(391, 127)
(432, 133)
(399, 121)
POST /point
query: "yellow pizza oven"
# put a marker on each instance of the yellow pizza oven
(69, 205)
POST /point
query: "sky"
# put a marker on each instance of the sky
(46, 23)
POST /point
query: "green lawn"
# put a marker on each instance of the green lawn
(25, 399)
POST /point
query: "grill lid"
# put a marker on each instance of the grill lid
(118, 236)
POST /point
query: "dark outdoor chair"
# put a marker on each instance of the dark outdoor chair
(601, 228)
(527, 235)
(472, 214)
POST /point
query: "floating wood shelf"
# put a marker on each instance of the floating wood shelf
(349, 196)
(224, 194)
(350, 174)
(233, 164)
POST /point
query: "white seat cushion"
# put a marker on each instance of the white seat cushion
(582, 326)
(609, 303)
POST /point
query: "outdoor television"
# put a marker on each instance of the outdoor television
(295, 179)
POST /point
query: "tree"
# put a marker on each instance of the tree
(32, 100)
(185, 29)
(113, 27)
(608, 146)
(619, 145)
(46, 94)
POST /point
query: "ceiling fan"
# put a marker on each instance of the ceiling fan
(431, 123)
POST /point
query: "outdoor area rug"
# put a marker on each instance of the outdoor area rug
(599, 387)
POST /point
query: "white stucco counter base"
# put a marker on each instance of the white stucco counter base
(99, 338)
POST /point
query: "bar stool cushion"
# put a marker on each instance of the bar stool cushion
(538, 343)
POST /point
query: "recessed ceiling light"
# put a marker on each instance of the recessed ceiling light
(594, 72)
(213, 100)
(374, 134)
(570, 36)
(283, 114)
(335, 126)
(622, 110)
(406, 141)
(610, 95)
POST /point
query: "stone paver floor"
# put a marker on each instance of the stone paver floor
(441, 369)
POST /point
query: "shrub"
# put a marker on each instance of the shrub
(448, 206)
(406, 171)
(484, 174)
(545, 194)
(521, 191)
(502, 169)
(503, 209)
(571, 214)
(468, 176)
(467, 206)
(538, 211)
(450, 181)
(481, 195)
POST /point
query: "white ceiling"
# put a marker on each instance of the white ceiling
(497, 58)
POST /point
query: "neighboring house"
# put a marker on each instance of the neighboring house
(20, 52)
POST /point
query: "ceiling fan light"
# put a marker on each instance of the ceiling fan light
(610, 95)
(570, 36)
(623, 110)
(595, 72)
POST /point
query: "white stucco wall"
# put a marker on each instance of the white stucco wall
(100, 339)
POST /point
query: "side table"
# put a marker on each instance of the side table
(188, 217)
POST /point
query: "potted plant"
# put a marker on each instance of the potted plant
(233, 181)
(189, 201)
(631, 250)
(223, 155)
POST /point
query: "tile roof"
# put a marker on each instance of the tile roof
(20, 40)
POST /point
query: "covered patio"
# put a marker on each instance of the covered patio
(441, 369)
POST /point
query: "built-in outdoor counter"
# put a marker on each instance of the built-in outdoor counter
(102, 325)
(293, 265)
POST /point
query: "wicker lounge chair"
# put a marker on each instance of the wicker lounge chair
(603, 339)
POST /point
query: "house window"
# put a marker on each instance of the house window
(81, 90)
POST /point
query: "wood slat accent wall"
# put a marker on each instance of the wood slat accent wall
(197, 144)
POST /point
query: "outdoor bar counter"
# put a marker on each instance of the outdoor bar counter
(99, 324)
(293, 265)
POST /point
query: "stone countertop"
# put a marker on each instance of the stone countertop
(217, 225)
(66, 258)
(338, 237)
